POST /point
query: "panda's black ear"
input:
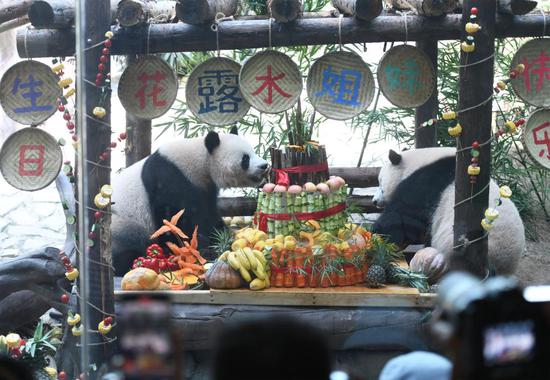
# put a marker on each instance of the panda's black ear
(395, 158)
(212, 141)
(234, 130)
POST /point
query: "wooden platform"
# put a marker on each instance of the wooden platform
(350, 296)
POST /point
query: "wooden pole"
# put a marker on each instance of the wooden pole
(12, 9)
(198, 12)
(284, 10)
(138, 131)
(137, 12)
(93, 19)
(475, 92)
(365, 10)
(426, 7)
(425, 137)
(512, 7)
(57, 13)
(241, 34)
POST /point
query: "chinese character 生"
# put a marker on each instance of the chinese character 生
(32, 94)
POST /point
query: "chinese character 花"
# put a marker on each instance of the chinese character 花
(155, 91)
(218, 90)
(343, 87)
(32, 93)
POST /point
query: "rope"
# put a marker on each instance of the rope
(340, 17)
(543, 21)
(269, 31)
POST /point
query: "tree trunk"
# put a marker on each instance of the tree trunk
(285, 10)
(12, 9)
(197, 12)
(365, 10)
(137, 12)
(475, 91)
(425, 137)
(425, 7)
(512, 7)
(57, 13)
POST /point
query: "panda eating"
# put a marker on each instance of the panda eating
(182, 174)
(418, 194)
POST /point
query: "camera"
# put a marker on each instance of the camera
(494, 329)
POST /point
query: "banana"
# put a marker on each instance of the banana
(245, 274)
(223, 256)
(242, 259)
(267, 282)
(257, 284)
(260, 256)
(251, 258)
(260, 272)
(233, 261)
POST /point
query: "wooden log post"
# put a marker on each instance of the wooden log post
(475, 97)
(13, 9)
(137, 12)
(425, 137)
(138, 134)
(57, 13)
(284, 10)
(431, 8)
(365, 10)
(197, 12)
(93, 20)
(516, 7)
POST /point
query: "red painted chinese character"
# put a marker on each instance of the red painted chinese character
(538, 68)
(31, 160)
(544, 140)
(270, 83)
(155, 91)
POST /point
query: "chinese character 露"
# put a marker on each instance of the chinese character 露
(343, 88)
(544, 140)
(537, 68)
(407, 78)
(31, 160)
(219, 88)
(32, 94)
(155, 91)
(270, 83)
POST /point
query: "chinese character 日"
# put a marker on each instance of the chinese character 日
(343, 88)
(32, 94)
(219, 88)
(545, 140)
(537, 68)
(270, 82)
(407, 78)
(155, 91)
(31, 160)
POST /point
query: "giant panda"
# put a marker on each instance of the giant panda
(418, 194)
(182, 174)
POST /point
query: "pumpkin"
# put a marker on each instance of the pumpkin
(222, 276)
(429, 262)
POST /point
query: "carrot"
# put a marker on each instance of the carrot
(194, 252)
(178, 286)
(301, 270)
(195, 267)
(279, 279)
(349, 274)
(289, 280)
(161, 231)
(195, 239)
(325, 282)
(175, 229)
(176, 218)
(174, 248)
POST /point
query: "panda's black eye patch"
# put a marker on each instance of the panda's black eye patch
(245, 162)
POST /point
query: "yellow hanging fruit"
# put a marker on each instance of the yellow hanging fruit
(99, 112)
(501, 85)
(104, 328)
(491, 214)
(57, 68)
(64, 82)
(473, 170)
(72, 275)
(505, 192)
(520, 68)
(13, 340)
(70, 92)
(106, 191)
(486, 225)
(73, 320)
(449, 115)
(52, 372)
(468, 48)
(76, 330)
(109, 34)
(511, 127)
(472, 27)
(455, 131)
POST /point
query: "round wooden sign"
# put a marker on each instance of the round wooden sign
(30, 159)
(533, 84)
(340, 85)
(148, 87)
(406, 76)
(270, 81)
(212, 92)
(536, 137)
(29, 92)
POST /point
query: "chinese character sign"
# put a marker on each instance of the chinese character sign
(406, 76)
(30, 159)
(340, 85)
(533, 84)
(271, 82)
(536, 137)
(29, 92)
(148, 88)
(212, 92)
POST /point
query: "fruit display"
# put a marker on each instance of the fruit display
(221, 276)
(252, 266)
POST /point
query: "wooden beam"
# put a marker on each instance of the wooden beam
(365, 10)
(431, 8)
(357, 177)
(242, 34)
(284, 10)
(512, 7)
(12, 9)
(57, 13)
(137, 12)
(475, 91)
(244, 206)
(198, 12)
(425, 137)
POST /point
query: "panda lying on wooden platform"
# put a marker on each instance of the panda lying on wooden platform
(417, 191)
(181, 174)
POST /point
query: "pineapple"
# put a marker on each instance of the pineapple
(222, 239)
(375, 277)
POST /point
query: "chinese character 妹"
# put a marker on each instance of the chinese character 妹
(407, 78)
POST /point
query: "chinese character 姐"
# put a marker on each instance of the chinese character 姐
(343, 88)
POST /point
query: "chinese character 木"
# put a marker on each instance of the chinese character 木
(407, 78)
(270, 82)
(32, 94)
(31, 160)
(221, 87)
(155, 91)
(343, 88)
